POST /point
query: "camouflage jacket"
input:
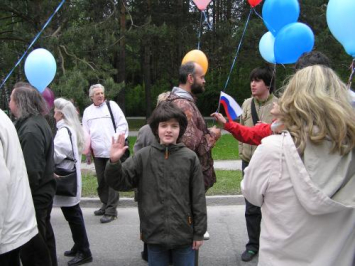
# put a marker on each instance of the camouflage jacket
(197, 137)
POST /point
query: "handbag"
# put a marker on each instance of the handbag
(67, 179)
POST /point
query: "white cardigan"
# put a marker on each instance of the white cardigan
(17, 215)
(308, 208)
(62, 150)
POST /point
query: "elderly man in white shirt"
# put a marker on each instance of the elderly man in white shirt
(102, 120)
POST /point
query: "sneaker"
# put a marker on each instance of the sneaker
(206, 236)
(248, 255)
(99, 212)
(107, 218)
(80, 259)
(70, 253)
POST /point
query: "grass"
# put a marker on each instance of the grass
(228, 183)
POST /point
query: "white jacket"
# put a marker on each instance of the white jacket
(17, 215)
(307, 204)
(62, 150)
(98, 124)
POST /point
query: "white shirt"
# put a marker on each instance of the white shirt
(17, 215)
(98, 124)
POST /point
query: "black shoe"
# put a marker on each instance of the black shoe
(70, 253)
(248, 255)
(99, 212)
(107, 218)
(144, 256)
(79, 259)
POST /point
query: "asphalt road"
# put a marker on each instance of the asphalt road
(117, 243)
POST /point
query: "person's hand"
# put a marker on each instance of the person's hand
(219, 118)
(117, 148)
(197, 244)
(216, 131)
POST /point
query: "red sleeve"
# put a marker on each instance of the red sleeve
(250, 135)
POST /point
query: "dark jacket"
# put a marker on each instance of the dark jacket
(171, 203)
(37, 145)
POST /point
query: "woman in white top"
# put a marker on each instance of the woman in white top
(304, 178)
(66, 146)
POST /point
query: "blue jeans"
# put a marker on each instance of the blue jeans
(159, 256)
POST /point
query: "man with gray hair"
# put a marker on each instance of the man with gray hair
(102, 120)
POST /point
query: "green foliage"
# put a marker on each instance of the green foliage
(134, 48)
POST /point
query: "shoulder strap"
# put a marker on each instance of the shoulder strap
(254, 114)
(112, 118)
(72, 148)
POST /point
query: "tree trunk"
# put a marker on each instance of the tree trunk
(121, 64)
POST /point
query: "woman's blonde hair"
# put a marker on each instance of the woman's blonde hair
(316, 105)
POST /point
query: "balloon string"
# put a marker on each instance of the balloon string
(352, 66)
(199, 34)
(34, 40)
(203, 13)
(238, 49)
(206, 20)
(235, 57)
(271, 29)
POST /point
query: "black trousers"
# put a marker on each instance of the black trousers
(11, 258)
(253, 220)
(108, 196)
(74, 217)
(41, 249)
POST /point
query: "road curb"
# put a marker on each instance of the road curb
(129, 202)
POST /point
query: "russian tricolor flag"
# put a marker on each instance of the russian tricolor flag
(231, 107)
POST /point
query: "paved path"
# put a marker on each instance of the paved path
(118, 244)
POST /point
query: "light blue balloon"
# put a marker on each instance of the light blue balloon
(292, 41)
(40, 68)
(278, 13)
(266, 47)
(341, 19)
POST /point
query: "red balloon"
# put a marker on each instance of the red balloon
(48, 95)
(201, 4)
(254, 3)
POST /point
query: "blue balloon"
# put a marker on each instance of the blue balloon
(278, 13)
(292, 41)
(266, 47)
(340, 19)
(40, 68)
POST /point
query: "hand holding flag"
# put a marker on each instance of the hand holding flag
(231, 107)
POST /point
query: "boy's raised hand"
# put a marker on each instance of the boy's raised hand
(117, 148)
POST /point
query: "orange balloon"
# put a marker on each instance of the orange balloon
(198, 57)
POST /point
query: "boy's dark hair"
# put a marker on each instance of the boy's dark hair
(265, 74)
(185, 70)
(311, 59)
(164, 112)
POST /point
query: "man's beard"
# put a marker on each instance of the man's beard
(197, 88)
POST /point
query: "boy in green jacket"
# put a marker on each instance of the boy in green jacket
(168, 175)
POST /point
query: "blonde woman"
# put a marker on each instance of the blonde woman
(69, 141)
(304, 178)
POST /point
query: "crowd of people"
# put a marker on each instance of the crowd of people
(297, 152)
